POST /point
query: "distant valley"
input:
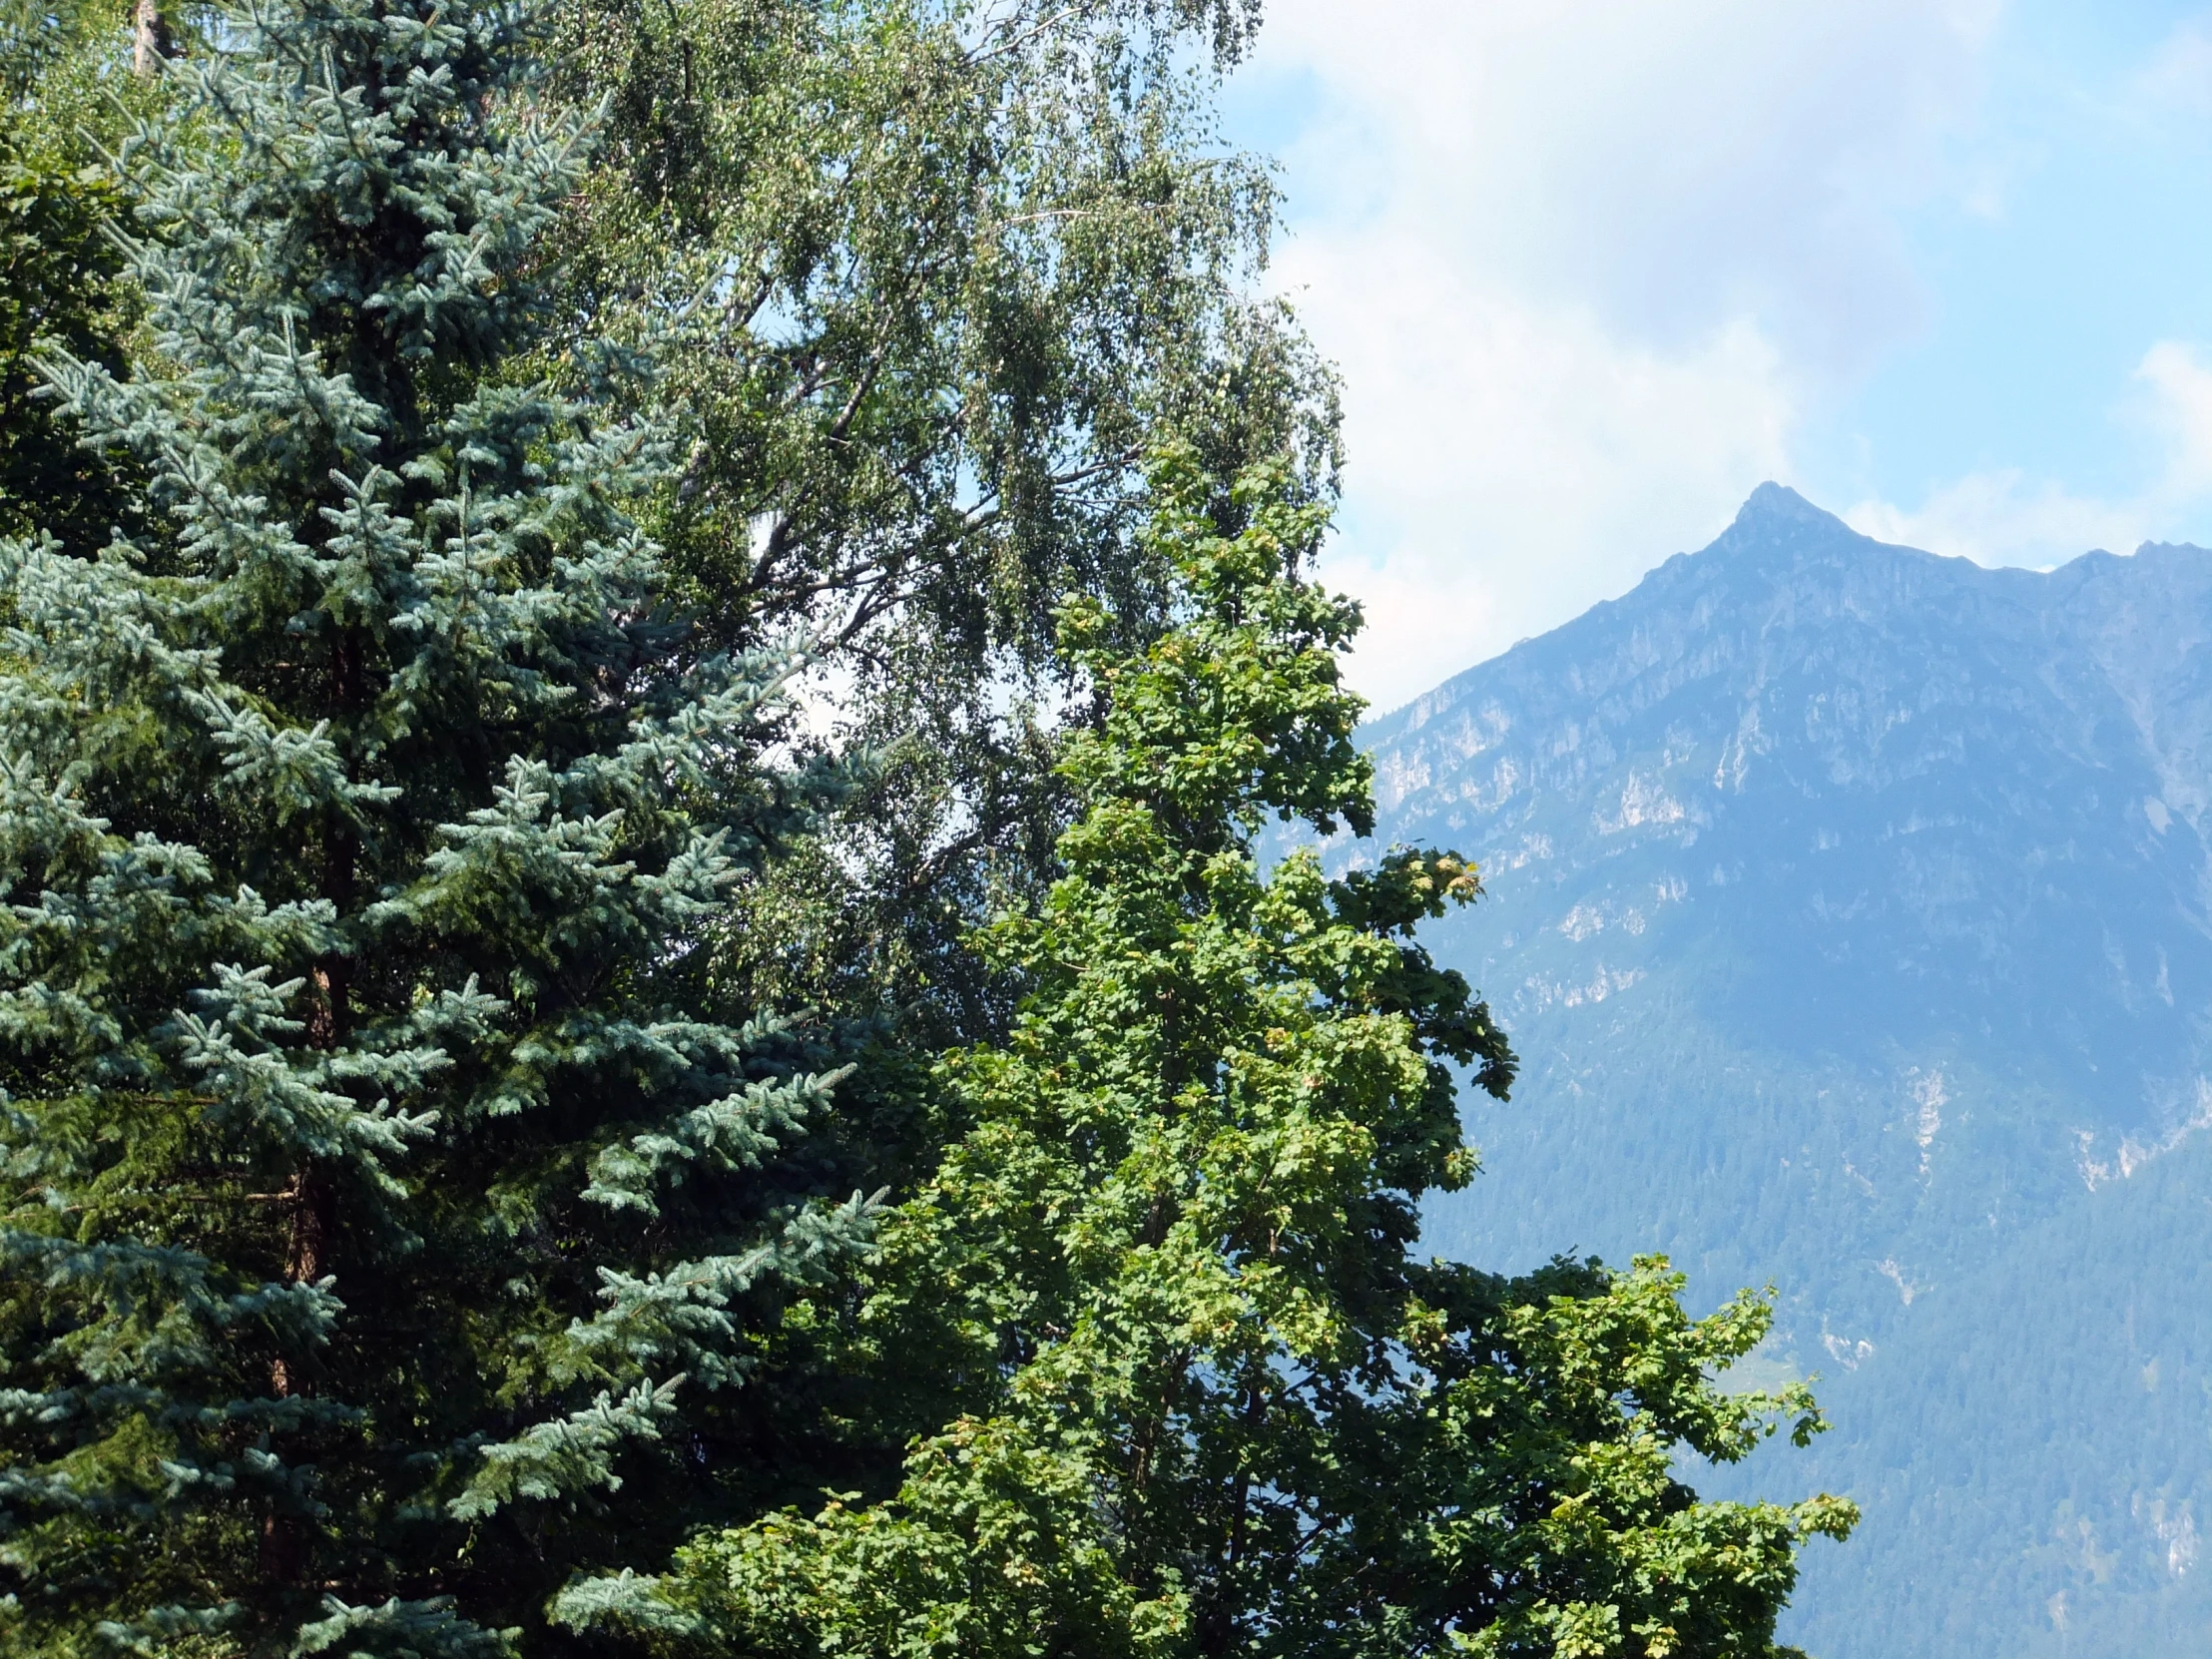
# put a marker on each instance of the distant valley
(1851, 911)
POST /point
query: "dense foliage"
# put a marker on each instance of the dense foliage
(56, 276)
(943, 266)
(586, 585)
(1196, 1393)
(62, 95)
(384, 1192)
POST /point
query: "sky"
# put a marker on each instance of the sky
(1592, 270)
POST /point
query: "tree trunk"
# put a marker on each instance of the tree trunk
(285, 1538)
(149, 37)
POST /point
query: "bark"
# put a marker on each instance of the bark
(312, 1196)
(149, 37)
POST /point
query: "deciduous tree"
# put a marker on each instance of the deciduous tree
(1178, 1381)
(63, 93)
(946, 265)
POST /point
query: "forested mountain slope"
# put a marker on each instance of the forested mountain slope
(1849, 912)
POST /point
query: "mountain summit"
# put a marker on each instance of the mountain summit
(1775, 514)
(1849, 911)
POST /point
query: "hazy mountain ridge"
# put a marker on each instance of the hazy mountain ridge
(1851, 911)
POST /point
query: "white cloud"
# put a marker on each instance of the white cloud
(2180, 71)
(2003, 518)
(1586, 267)
(2006, 518)
(2182, 389)
(1514, 463)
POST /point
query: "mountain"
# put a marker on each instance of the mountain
(1851, 911)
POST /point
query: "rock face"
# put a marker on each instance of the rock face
(1851, 911)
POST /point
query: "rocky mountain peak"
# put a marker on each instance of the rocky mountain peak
(1851, 910)
(1773, 508)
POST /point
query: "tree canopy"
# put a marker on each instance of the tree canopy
(61, 100)
(638, 1003)
(1175, 1380)
(945, 268)
(389, 1191)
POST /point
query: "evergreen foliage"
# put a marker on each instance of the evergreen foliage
(421, 1231)
(1176, 1382)
(392, 1210)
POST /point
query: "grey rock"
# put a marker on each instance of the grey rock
(1851, 911)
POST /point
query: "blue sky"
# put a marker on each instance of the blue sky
(1593, 268)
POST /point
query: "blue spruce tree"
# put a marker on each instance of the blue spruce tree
(388, 1234)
